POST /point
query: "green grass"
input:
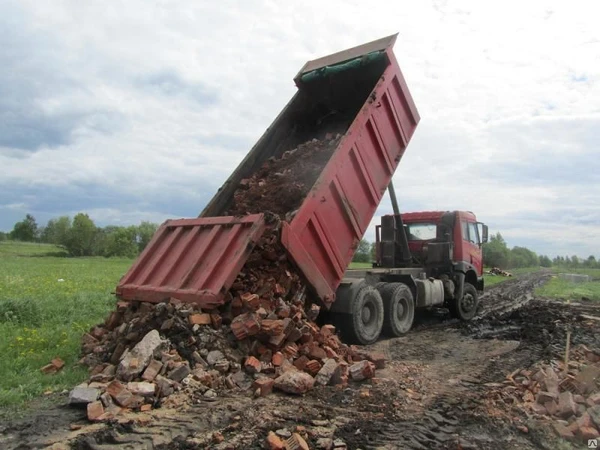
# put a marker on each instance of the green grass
(566, 290)
(359, 265)
(42, 318)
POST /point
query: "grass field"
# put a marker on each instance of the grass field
(46, 303)
(565, 290)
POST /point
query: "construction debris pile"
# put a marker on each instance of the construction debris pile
(263, 337)
(498, 271)
(281, 184)
(569, 398)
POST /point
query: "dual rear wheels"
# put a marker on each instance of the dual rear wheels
(387, 308)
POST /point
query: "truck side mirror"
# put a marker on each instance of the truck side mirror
(484, 229)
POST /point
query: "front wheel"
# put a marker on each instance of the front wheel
(465, 308)
(363, 324)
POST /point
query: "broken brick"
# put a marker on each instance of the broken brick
(324, 375)
(312, 367)
(277, 359)
(296, 442)
(152, 370)
(216, 320)
(274, 442)
(316, 352)
(272, 327)
(119, 393)
(245, 325)
(301, 362)
(200, 319)
(95, 410)
(264, 386)
(378, 359)
(252, 365)
(362, 370)
(145, 407)
(251, 301)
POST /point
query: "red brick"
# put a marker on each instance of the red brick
(316, 352)
(200, 319)
(296, 442)
(264, 385)
(274, 442)
(252, 365)
(58, 363)
(272, 327)
(279, 290)
(88, 339)
(362, 370)
(340, 376)
(291, 350)
(312, 367)
(152, 370)
(251, 301)
(95, 410)
(277, 359)
(48, 369)
(119, 393)
(378, 359)
(245, 325)
(216, 320)
(301, 362)
(330, 352)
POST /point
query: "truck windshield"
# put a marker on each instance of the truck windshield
(421, 231)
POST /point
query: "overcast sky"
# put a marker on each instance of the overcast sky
(140, 111)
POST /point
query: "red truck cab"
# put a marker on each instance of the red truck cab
(467, 236)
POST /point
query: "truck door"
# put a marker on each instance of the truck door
(473, 253)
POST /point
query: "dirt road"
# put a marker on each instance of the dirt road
(435, 392)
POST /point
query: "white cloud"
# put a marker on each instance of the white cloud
(501, 89)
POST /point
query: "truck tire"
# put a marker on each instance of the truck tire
(363, 324)
(465, 308)
(398, 308)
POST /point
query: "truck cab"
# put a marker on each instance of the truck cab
(459, 230)
(422, 260)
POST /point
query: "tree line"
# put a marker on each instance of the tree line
(81, 237)
(497, 254)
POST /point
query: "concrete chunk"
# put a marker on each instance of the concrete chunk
(135, 361)
(83, 395)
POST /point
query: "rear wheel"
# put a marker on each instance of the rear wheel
(363, 324)
(399, 309)
(465, 307)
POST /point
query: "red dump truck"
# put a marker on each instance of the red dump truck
(361, 96)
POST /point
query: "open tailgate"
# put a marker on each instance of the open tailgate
(193, 260)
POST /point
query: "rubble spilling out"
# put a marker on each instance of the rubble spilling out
(567, 396)
(263, 337)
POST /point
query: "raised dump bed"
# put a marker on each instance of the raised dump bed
(322, 166)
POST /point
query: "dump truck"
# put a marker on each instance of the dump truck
(358, 101)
